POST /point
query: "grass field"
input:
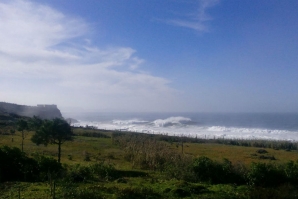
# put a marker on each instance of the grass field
(136, 183)
(103, 148)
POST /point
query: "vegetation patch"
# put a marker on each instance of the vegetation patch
(110, 164)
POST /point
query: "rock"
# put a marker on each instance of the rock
(71, 120)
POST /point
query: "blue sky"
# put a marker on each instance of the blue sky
(151, 55)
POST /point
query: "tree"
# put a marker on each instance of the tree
(22, 126)
(35, 123)
(55, 131)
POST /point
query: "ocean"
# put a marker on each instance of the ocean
(269, 126)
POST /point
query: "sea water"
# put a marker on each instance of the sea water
(272, 126)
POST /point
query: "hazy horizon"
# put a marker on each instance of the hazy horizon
(213, 56)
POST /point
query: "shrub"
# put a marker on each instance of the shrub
(145, 152)
(15, 165)
(97, 171)
(103, 171)
(179, 167)
(266, 175)
(136, 193)
(48, 166)
(291, 171)
(73, 191)
(206, 170)
(78, 173)
(184, 189)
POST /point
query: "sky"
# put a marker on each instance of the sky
(150, 55)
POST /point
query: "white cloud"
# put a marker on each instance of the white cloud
(41, 58)
(196, 20)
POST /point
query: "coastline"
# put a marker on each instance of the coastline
(213, 132)
(252, 126)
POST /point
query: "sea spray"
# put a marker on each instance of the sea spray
(227, 126)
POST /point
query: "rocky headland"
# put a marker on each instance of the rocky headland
(43, 111)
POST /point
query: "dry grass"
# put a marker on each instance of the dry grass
(99, 149)
(104, 149)
(238, 154)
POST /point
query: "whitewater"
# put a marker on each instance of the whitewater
(261, 126)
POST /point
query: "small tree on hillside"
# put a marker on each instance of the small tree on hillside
(22, 126)
(55, 131)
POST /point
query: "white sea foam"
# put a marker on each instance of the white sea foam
(182, 126)
(171, 121)
(253, 133)
(127, 122)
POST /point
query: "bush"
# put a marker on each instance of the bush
(291, 172)
(48, 166)
(179, 167)
(78, 173)
(206, 170)
(16, 166)
(265, 175)
(184, 189)
(97, 171)
(145, 152)
(103, 171)
(136, 193)
(73, 191)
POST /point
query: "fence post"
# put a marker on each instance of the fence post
(182, 146)
(19, 191)
(54, 188)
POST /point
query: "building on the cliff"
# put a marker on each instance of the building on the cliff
(47, 105)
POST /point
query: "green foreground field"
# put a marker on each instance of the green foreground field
(134, 181)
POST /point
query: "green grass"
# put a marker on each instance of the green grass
(104, 149)
(131, 182)
(132, 188)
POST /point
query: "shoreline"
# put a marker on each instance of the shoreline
(214, 132)
(260, 143)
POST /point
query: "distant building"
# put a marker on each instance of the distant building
(47, 105)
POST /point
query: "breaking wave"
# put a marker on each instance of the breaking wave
(171, 121)
(184, 126)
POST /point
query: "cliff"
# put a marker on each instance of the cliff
(42, 111)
